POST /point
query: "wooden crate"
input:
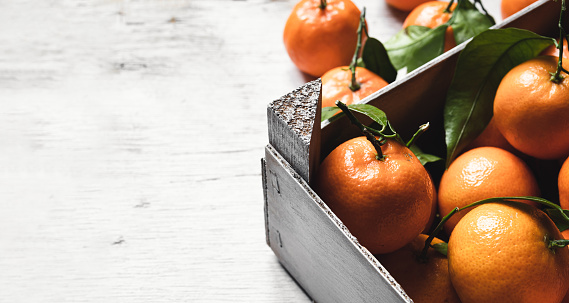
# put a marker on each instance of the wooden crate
(312, 244)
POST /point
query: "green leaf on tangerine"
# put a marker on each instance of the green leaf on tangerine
(375, 59)
(467, 21)
(376, 114)
(329, 112)
(556, 217)
(423, 157)
(415, 45)
(441, 248)
(480, 68)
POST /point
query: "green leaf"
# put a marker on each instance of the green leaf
(556, 217)
(467, 21)
(329, 112)
(376, 114)
(479, 2)
(480, 67)
(424, 158)
(375, 59)
(441, 248)
(415, 45)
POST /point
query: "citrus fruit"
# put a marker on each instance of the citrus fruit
(510, 7)
(481, 173)
(336, 85)
(374, 198)
(491, 136)
(565, 235)
(424, 281)
(318, 39)
(566, 298)
(532, 112)
(563, 185)
(554, 51)
(432, 14)
(433, 215)
(405, 5)
(499, 252)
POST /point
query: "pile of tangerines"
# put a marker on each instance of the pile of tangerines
(502, 245)
(321, 36)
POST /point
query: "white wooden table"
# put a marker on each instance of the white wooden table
(131, 134)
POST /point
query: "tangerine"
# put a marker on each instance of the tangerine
(320, 35)
(336, 85)
(510, 7)
(491, 136)
(499, 252)
(424, 281)
(432, 14)
(373, 197)
(405, 5)
(552, 50)
(481, 173)
(565, 235)
(532, 111)
(433, 215)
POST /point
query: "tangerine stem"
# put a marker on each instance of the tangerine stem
(527, 198)
(484, 10)
(557, 77)
(557, 243)
(453, 16)
(546, 203)
(423, 128)
(371, 137)
(423, 255)
(354, 86)
(323, 4)
(447, 10)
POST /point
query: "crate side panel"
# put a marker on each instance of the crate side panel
(315, 247)
(264, 184)
(540, 17)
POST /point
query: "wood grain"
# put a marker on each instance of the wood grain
(294, 127)
(131, 136)
(131, 133)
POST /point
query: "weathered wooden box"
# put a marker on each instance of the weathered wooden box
(308, 239)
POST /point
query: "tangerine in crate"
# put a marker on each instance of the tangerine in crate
(372, 197)
(320, 35)
(432, 14)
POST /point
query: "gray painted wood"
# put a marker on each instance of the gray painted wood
(130, 139)
(294, 128)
